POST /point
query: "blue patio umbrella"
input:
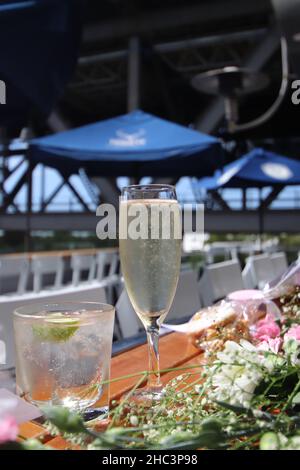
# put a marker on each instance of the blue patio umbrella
(39, 46)
(135, 144)
(258, 168)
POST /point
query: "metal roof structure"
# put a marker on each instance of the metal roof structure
(138, 54)
(176, 41)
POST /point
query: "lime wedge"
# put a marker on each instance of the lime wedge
(60, 329)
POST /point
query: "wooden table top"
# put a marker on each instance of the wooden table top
(176, 350)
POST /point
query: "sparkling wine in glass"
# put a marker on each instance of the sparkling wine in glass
(150, 249)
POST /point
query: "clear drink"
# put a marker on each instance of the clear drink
(63, 354)
(151, 266)
(150, 253)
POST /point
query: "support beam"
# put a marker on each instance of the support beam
(28, 240)
(233, 221)
(57, 122)
(133, 93)
(168, 18)
(265, 203)
(175, 46)
(18, 165)
(50, 198)
(3, 166)
(11, 196)
(89, 186)
(110, 192)
(212, 116)
(43, 185)
(13, 204)
(219, 200)
(76, 194)
(244, 199)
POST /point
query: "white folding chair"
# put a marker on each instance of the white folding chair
(42, 266)
(8, 304)
(13, 274)
(107, 264)
(127, 319)
(113, 263)
(186, 301)
(248, 280)
(225, 251)
(81, 263)
(218, 280)
(100, 265)
(260, 269)
(279, 262)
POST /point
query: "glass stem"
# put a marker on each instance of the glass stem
(154, 374)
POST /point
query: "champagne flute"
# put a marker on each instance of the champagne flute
(150, 250)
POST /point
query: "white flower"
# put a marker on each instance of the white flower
(235, 385)
(151, 434)
(280, 442)
(291, 347)
(134, 420)
(237, 372)
(292, 444)
(180, 411)
(248, 346)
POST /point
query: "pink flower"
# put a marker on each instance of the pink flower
(8, 429)
(270, 344)
(293, 332)
(266, 328)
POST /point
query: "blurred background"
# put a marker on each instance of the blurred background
(97, 95)
(222, 68)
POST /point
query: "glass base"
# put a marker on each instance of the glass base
(147, 395)
(93, 415)
(88, 414)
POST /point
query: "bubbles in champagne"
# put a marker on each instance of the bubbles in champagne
(150, 258)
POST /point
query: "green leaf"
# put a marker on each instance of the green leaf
(296, 399)
(211, 424)
(64, 419)
(235, 408)
(34, 444)
(212, 438)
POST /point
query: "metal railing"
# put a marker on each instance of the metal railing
(234, 202)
